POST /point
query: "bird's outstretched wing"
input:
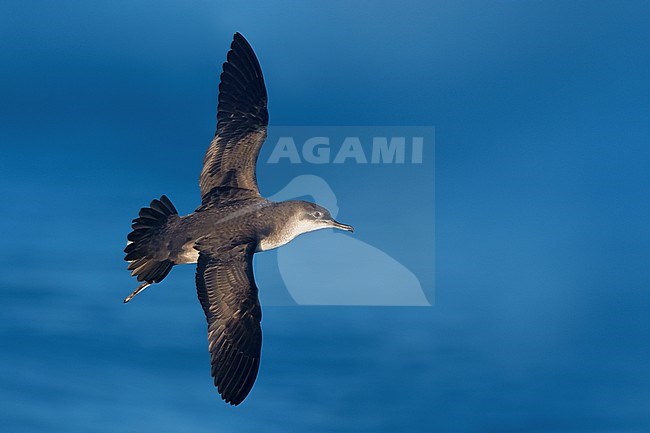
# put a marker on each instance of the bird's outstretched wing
(228, 295)
(242, 120)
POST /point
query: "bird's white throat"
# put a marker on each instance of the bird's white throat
(288, 232)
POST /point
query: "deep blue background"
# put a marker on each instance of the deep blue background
(541, 321)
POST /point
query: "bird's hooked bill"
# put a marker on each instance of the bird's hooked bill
(342, 226)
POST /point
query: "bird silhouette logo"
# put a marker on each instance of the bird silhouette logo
(343, 270)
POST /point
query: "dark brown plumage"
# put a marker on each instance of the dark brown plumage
(222, 234)
(242, 120)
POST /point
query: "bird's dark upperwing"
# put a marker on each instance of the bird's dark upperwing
(228, 294)
(242, 120)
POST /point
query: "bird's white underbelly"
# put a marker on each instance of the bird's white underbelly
(268, 244)
(189, 254)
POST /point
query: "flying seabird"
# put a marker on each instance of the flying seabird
(232, 223)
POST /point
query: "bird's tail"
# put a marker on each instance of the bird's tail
(140, 249)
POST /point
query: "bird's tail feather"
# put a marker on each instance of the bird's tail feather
(139, 254)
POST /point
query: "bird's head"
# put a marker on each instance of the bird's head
(307, 217)
(318, 217)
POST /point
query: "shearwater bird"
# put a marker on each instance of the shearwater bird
(232, 223)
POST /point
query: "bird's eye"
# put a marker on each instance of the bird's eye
(317, 214)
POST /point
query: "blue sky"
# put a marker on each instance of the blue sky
(541, 211)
